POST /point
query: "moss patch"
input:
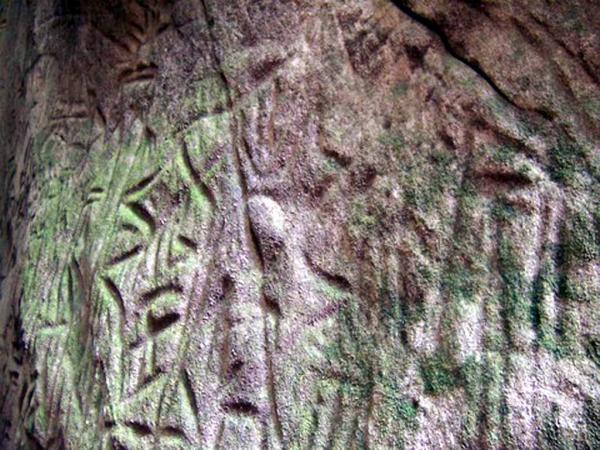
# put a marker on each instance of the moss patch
(438, 373)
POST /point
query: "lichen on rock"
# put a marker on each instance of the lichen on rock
(299, 224)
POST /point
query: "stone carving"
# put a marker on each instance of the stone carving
(294, 224)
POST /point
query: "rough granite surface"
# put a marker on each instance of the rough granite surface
(290, 224)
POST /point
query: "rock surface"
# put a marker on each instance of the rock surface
(300, 224)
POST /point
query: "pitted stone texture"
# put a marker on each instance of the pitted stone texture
(299, 224)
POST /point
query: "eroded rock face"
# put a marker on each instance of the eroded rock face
(300, 224)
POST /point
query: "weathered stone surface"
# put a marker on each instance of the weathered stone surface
(300, 224)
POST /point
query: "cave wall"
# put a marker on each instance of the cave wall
(299, 224)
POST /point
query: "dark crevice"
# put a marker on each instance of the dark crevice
(136, 344)
(23, 395)
(416, 55)
(189, 390)
(241, 407)
(142, 184)
(115, 294)
(436, 29)
(508, 178)
(142, 72)
(210, 22)
(142, 213)
(342, 160)
(227, 287)
(584, 64)
(149, 378)
(272, 305)
(250, 154)
(161, 323)
(263, 69)
(234, 368)
(173, 432)
(77, 274)
(140, 429)
(131, 228)
(196, 177)
(126, 255)
(258, 249)
(116, 444)
(474, 3)
(33, 441)
(337, 280)
(536, 308)
(187, 242)
(150, 136)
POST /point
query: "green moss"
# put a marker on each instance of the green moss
(591, 412)
(75, 348)
(329, 167)
(368, 360)
(580, 245)
(552, 436)
(331, 292)
(592, 348)
(125, 437)
(165, 304)
(503, 211)
(575, 289)
(129, 217)
(40, 418)
(471, 378)
(307, 423)
(54, 244)
(428, 175)
(400, 89)
(516, 293)
(580, 241)
(204, 137)
(438, 373)
(592, 107)
(545, 286)
(467, 197)
(468, 80)
(568, 332)
(354, 351)
(362, 218)
(459, 282)
(502, 154)
(497, 106)
(567, 160)
(395, 141)
(211, 93)
(393, 309)
(406, 411)
(493, 374)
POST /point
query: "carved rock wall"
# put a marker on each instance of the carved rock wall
(299, 224)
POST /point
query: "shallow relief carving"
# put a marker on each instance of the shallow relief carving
(346, 236)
